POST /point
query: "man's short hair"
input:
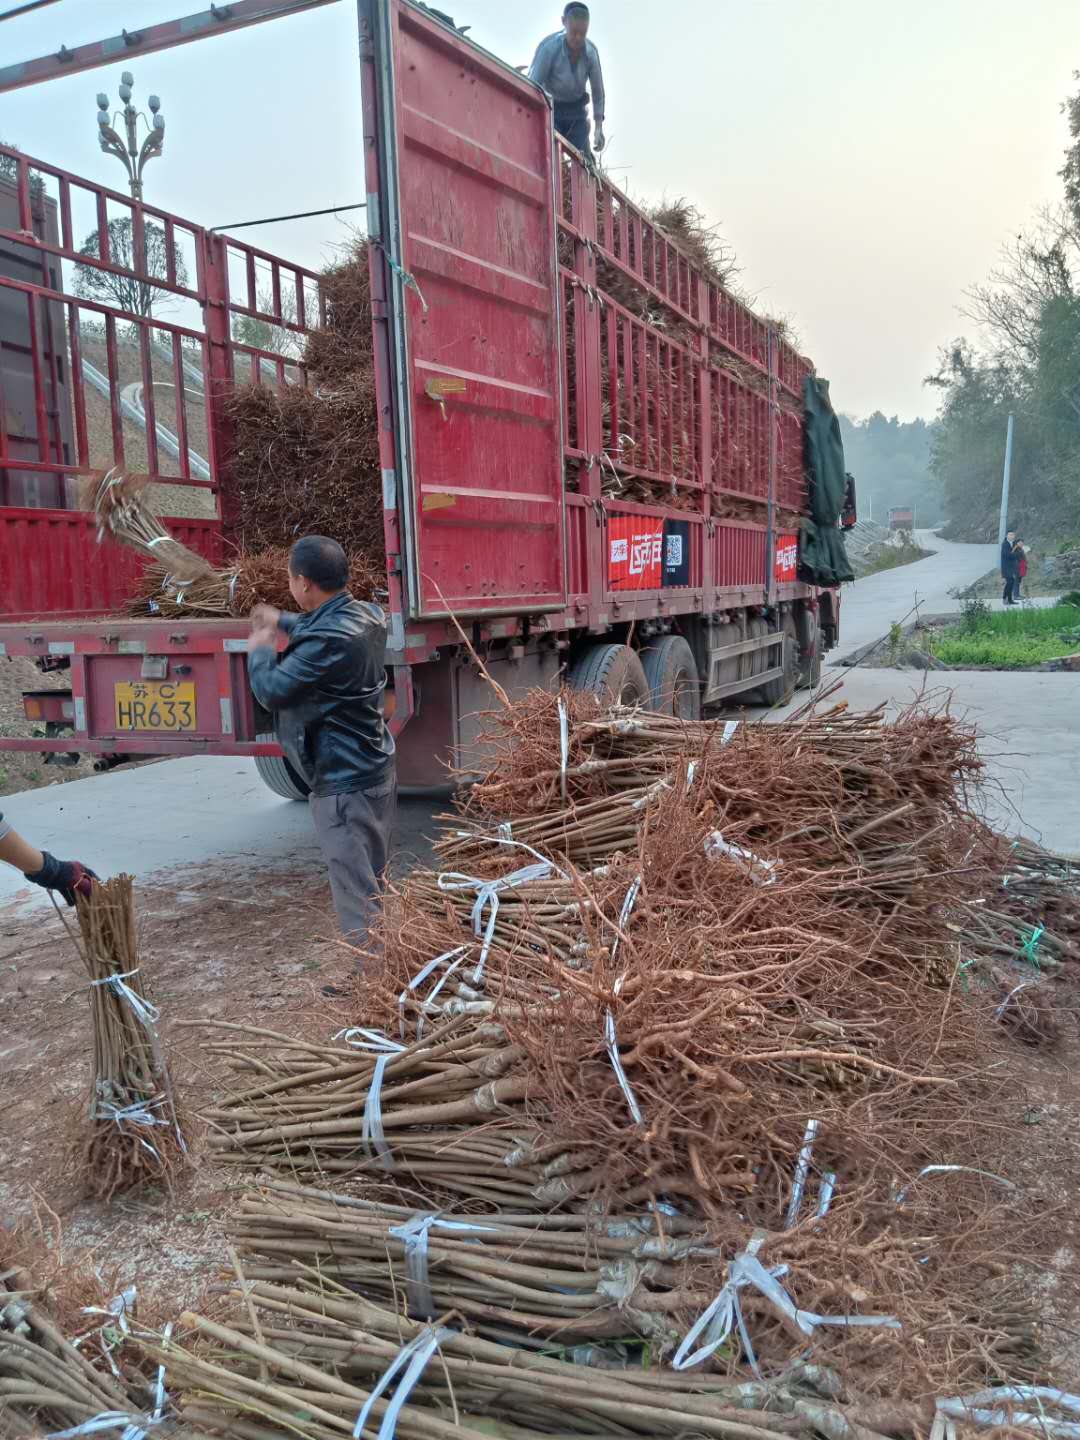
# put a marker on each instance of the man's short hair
(576, 11)
(321, 560)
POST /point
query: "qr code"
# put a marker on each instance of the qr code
(674, 552)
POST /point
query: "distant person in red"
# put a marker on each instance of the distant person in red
(67, 877)
(564, 65)
(1021, 567)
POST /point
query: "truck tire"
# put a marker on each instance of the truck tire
(279, 776)
(672, 677)
(613, 672)
(780, 691)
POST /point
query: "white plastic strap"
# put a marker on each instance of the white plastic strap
(730, 727)
(973, 1409)
(802, 1169)
(456, 956)
(487, 900)
(617, 1066)
(1024, 985)
(411, 1358)
(725, 1312)
(140, 1112)
(132, 1426)
(564, 746)
(951, 1170)
(629, 901)
(414, 1234)
(825, 1194)
(762, 872)
(372, 1135)
(147, 1014)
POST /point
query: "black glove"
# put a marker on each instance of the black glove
(70, 877)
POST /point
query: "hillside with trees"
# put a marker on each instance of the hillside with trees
(890, 459)
(1028, 363)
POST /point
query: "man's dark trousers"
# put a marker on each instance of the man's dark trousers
(572, 123)
(354, 830)
(1008, 594)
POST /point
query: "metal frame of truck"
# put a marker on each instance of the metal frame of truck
(517, 400)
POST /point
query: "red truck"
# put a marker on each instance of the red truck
(578, 486)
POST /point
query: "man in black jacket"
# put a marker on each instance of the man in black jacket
(325, 691)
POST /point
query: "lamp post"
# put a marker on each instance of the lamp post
(132, 156)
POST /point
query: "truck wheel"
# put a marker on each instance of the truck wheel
(780, 691)
(613, 672)
(279, 776)
(672, 678)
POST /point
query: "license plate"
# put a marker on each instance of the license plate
(155, 705)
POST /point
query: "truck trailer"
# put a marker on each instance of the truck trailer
(594, 468)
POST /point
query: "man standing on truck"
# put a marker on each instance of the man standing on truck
(325, 691)
(563, 65)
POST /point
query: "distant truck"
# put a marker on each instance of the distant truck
(579, 485)
(902, 518)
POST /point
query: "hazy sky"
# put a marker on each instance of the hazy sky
(866, 158)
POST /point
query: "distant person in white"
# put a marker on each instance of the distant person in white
(567, 65)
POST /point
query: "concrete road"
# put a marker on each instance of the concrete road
(1028, 735)
(176, 814)
(870, 606)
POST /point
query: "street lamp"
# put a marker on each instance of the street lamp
(132, 155)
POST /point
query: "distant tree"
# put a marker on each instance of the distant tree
(1035, 269)
(128, 291)
(890, 459)
(263, 334)
(1070, 172)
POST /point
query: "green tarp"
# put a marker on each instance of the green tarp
(822, 557)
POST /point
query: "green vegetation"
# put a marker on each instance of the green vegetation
(1011, 639)
(887, 557)
(1029, 310)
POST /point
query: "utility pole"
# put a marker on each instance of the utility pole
(131, 156)
(1003, 518)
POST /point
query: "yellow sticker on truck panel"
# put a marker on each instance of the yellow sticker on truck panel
(155, 705)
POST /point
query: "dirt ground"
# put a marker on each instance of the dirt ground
(255, 946)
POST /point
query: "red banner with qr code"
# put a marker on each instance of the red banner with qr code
(635, 552)
(787, 559)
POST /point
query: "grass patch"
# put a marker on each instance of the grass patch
(888, 557)
(1009, 640)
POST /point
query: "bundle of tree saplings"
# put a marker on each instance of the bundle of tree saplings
(122, 512)
(305, 457)
(46, 1383)
(696, 972)
(353, 1316)
(133, 1130)
(235, 590)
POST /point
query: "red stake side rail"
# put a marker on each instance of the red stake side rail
(562, 465)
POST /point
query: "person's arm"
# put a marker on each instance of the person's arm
(596, 87)
(66, 876)
(279, 682)
(540, 69)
